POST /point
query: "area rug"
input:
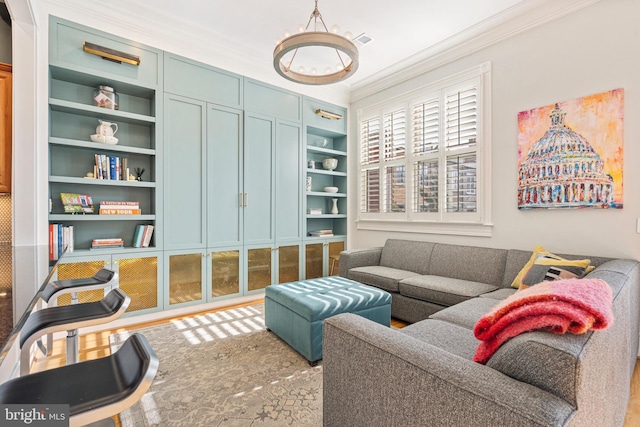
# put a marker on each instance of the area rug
(225, 369)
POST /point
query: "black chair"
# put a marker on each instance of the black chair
(95, 389)
(69, 318)
(104, 279)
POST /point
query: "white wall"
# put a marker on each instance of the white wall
(593, 50)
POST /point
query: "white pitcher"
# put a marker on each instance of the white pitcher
(104, 128)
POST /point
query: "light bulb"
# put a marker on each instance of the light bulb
(335, 29)
(301, 28)
(278, 41)
(328, 70)
(301, 69)
(348, 35)
(313, 71)
(340, 67)
(286, 33)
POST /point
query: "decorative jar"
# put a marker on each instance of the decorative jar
(105, 97)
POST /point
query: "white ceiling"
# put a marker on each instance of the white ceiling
(240, 35)
(400, 29)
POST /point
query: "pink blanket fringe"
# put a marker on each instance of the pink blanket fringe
(571, 305)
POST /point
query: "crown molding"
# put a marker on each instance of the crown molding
(520, 18)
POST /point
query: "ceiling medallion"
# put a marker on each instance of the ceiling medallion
(317, 36)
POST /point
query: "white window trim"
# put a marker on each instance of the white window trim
(450, 224)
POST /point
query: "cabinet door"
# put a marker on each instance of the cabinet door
(225, 273)
(259, 134)
(5, 129)
(139, 276)
(288, 176)
(184, 173)
(224, 183)
(185, 275)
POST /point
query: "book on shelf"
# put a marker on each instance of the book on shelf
(120, 211)
(108, 243)
(115, 204)
(60, 240)
(112, 168)
(142, 236)
(77, 203)
(319, 233)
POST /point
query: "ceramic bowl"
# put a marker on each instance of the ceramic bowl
(330, 189)
(330, 163)
(104, 139)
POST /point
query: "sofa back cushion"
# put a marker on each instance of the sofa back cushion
(407, 255)
(485, 265)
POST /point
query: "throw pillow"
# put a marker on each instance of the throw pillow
(538, 250)
(548, 269)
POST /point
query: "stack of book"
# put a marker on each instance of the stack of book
(111, 243)
(60, 240)
(112, 168)
(142, 236)
(321, 233)
(119, 208)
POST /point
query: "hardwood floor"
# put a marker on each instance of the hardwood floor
(95, 345)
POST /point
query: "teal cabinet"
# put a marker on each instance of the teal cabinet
(259, 162)
(200, 81)
(288, 181)
(75, 160)
(139, 276)
(225, 182)
(322, 257)
(185, 173)
(185, 273)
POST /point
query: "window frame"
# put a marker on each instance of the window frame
(476, 223)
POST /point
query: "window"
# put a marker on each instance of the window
(421, 157)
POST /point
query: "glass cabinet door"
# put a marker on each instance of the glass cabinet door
(185, 278)
(138, 277)
(225, 273)
(314, 259)
(288, 264)
(259, 268)
(334, 257)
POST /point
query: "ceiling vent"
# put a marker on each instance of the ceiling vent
(362, 39)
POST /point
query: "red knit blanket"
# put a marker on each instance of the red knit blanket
(570, 305)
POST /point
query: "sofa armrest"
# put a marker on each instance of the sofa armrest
(374, 375)
(358, 258)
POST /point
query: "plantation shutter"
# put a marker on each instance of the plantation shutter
(426, 127)
(394, 135)
(461, 118)
(369, 159)
(461, 183)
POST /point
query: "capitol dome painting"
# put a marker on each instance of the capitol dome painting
(570, 154)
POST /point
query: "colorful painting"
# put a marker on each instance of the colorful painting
(570, 153)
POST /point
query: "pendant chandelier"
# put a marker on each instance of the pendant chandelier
(291, 53)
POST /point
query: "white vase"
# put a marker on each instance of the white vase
(334, 209)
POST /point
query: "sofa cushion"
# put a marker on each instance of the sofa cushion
(500, 293)
(516, 259)
(467, 313)
(484, 265)
(454, 339)
(383, 277)
(442, 290)
(407, 255)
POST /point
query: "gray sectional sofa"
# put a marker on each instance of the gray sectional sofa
(424, 374)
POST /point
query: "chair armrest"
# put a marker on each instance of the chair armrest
(358, 258)
(374, 375)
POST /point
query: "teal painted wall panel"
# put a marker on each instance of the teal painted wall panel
(184, 173)
(224, 176)
(258, 180)
(262, 98)
(288, 173)
(65, 48)
(200, 81)
(310, 106)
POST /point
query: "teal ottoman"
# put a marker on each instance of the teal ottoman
(296, 311)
